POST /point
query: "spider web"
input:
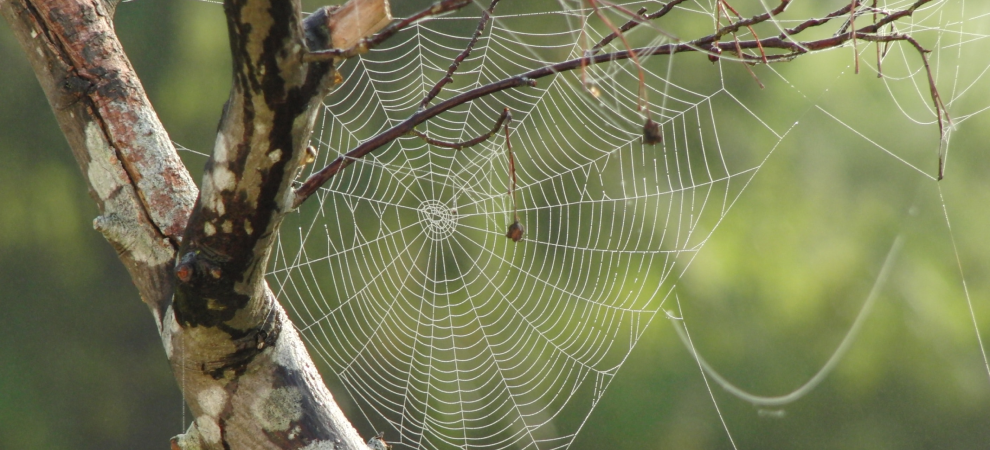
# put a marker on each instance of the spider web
(445, 333)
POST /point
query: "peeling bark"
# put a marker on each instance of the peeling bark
(199, 263)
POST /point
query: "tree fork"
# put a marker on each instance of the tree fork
(199, 261)
(243, 368)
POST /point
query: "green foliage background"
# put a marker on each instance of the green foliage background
(767, 300)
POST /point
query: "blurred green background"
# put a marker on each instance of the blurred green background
(767, 300)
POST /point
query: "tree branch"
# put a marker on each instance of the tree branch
(706, 44)
(143, 191)
(247, 352)
(248, 377)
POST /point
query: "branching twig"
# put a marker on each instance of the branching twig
(485, 16)
(634, 22)
(785, 42)
(643, 102)
(944, 120)
(725, 5)
(469, 143)
(720, 10)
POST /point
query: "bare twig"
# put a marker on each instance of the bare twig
(722, 6)
(485, 17)
(634, 22)
(785, 42)
(468, 143)
(879, 53)
(725, 4)
(852, 30)
(643, 102)
(944, 120)
(516, 230)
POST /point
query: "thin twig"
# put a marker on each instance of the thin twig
(515, 230)
(941, 112)
(485, 17)
(704, 44)
(468, 143)
(852, 30)
(879, 54)
(634, 22)
(512, 164)
(751, 31)
(643, 102)
(722, 5)
(815, 22)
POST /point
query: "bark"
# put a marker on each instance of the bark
(199, 263)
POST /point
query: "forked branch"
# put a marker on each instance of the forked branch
(786, 43)
(224, 332)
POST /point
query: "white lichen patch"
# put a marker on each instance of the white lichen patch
(247, 227)
(286, 355)
(218, 206)
(209, 430)
(223, 178)
(209, 229)
(212, 199)
(227, 226)
(320, 445)
(220, 149)
(121, 224)
(190, 440)
(168, 329)
(377, 443)
(212, 400)
(276, 155)
(158, 319)
(103, 163)
(277, 410)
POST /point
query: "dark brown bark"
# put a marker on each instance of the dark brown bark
(252, 384)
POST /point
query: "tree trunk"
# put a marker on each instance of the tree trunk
(199, 263)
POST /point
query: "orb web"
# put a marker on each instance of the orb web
(438, 219)
(445, 333)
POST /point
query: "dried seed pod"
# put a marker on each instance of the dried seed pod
(652, 134)
(713, 53)
(515, 231)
